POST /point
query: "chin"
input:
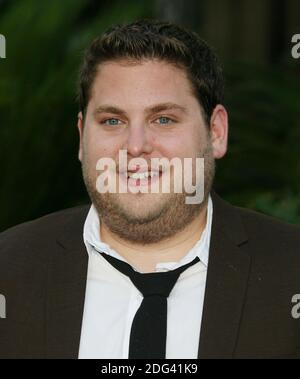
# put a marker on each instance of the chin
(141, 205)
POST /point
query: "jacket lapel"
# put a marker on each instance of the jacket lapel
(66, 290)
(226, 285)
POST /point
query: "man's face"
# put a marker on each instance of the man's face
(149, 110)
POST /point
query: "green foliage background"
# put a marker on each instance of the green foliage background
(40, 172)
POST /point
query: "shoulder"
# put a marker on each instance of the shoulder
(266, 226)
(36, 236)
(253, 222)
(265, 235)
(272, 241)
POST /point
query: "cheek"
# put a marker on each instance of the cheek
(99, 146)
(184, 145)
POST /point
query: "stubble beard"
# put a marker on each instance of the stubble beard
(169, 216)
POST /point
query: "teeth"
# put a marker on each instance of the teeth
(142, 175)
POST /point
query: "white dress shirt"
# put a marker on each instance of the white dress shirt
(111, 299)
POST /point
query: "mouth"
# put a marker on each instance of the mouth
(138, 178)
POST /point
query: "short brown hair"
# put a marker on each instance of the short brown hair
(152, 39)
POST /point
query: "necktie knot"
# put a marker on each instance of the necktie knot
(150, 284)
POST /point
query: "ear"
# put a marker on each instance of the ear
(219, 131)
(80, 125)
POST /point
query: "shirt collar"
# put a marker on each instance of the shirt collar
(92, 240)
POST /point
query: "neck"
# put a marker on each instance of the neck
(145, 257)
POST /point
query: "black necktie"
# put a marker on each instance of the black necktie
(149, 327)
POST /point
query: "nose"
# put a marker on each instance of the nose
(138, 141)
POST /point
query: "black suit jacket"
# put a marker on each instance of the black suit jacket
(253, 273)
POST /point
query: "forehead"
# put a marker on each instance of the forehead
(141, 83)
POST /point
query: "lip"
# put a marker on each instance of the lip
(138, 169)
(131, 182)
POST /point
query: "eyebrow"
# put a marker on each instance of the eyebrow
(153, 109)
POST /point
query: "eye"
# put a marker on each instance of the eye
(111, 122)
(163, 120)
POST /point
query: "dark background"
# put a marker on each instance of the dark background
(39, 169)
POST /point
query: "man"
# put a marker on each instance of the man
(87, 282)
